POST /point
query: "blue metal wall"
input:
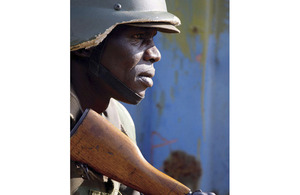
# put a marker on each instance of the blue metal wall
(187, 109)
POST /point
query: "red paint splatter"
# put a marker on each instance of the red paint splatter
(199, 57)
(164, 143)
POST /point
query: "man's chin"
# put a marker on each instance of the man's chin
(133, 98)
(141, 94)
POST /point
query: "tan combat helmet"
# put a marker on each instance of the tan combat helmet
(93, 20)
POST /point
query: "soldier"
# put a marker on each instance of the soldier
(112, 59)
(112, 56)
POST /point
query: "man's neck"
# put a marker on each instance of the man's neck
(90, 93)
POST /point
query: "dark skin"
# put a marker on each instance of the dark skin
(129, 55)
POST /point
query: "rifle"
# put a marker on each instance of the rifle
(96, 142)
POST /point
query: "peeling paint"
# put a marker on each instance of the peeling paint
(193, 19)
(176, 77)
(198, 148)
(197, 17)
(161, 104)
(172, 93)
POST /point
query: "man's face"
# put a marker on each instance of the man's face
(129, 54)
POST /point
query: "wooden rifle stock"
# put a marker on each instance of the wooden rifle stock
(96, 142)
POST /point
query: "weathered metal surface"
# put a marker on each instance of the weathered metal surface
(187, 109)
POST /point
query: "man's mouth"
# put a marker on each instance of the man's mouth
(147, 81)
(146, 77)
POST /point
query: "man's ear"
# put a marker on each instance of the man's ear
(85, 53)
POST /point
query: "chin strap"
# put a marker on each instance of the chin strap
(103, 73)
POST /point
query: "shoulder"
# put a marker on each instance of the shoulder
(125, 119)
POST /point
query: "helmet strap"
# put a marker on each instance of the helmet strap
(103, 73)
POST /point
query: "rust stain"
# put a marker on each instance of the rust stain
(184, 168)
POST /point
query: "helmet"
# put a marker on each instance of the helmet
(93, 20)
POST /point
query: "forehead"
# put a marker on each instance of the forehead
(125, 29)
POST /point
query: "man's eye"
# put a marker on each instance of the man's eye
(138, 36)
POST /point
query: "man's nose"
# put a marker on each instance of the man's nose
(152, 54)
